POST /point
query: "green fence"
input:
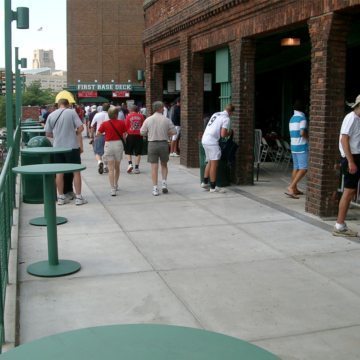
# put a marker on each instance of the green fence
(7, 205)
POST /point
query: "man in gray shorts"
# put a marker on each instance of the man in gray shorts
(158, 128)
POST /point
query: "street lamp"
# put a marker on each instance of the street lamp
(18, 88)
(21, 15)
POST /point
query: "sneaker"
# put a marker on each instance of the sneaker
(155, 192)
(106, 170)
(62, 200)
(171, 154)
(101, 168)
(70, 195)
(218, 190)
(79, 200)
(129, 169)
(164, 189)
(175, 154)
(205, 186)
(344, 232)
(136, 171)
(113, 192)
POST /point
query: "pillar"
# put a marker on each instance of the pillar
(327, 101)
(242, 54)
(192, 99)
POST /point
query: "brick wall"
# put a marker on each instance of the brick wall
(104, 40)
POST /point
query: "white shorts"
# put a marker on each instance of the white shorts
(178, 131)
(113, 150)
(212, 152)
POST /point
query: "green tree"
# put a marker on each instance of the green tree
(34, 95)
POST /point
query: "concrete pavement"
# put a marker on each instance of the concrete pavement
(249, 263)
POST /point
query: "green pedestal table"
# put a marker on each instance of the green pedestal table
(139, 342)
(45, 153)
(53, 266)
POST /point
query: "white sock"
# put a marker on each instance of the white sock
(164, 182)
(155, 187)
(340, 226)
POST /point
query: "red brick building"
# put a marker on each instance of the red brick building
(236, 46)
(105, 44)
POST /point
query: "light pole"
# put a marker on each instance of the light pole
(18, 88)
(21, 15)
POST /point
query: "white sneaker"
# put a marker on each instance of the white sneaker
(155, 192)
(129, 169)
(80, 200)
(218, 190)
(175, 154)
(113, 192)
(62, 200)
(136, 171)
(171, 155)
(205, 186)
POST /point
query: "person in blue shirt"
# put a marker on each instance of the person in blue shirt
(298, 128)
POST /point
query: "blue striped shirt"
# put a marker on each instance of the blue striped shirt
(298, 123)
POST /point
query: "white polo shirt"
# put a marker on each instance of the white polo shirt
(212, 131)
(351, 127)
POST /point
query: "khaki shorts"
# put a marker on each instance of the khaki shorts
(158, 150)
(113, 150)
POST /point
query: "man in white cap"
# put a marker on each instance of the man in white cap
(349, 145)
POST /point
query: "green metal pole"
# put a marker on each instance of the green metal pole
(17, 88)
(8, 74)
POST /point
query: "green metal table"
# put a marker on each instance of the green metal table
(45, 153)
(139, 342)
(53, 266)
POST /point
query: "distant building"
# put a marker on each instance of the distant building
(53, 80)
(43, 58)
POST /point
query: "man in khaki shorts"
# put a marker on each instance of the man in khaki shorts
(158, 128)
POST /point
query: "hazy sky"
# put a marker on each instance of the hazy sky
(50, 15)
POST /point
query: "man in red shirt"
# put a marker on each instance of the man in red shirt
(114, 131)
(134, 140)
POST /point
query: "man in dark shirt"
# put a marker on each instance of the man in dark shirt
(176, 121)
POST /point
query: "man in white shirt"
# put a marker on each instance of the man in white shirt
(218, 126)
(349, 146)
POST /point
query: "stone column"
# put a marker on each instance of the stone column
(327, 102)
(242, 54)
(154, 81)
(192, 99)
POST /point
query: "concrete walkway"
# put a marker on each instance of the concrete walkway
(248, 263)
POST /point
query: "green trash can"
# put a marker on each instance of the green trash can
(223, 173)
(32, 185)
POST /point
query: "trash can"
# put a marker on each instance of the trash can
(32, 185)
(223, 172)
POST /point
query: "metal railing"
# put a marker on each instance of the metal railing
(7, 205)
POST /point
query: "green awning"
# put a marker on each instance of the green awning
(98, 99)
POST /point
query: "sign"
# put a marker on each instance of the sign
(104, 87)
(121, 94)
(171, 86)
(207, 82)
(87, 94)
(178, 81)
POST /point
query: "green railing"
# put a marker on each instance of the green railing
(7, 205)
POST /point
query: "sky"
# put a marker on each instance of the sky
(48, 15)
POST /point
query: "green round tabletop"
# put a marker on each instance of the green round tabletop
(32, 130)
(45, 150)
(48, 169)
(139, 342)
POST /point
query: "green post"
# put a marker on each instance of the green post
(22, 18)
(18, 86)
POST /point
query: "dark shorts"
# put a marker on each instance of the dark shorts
(350, 180)
(72, 157)
(134, 145)
(158, 150)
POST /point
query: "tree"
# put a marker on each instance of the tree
(34, 95)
